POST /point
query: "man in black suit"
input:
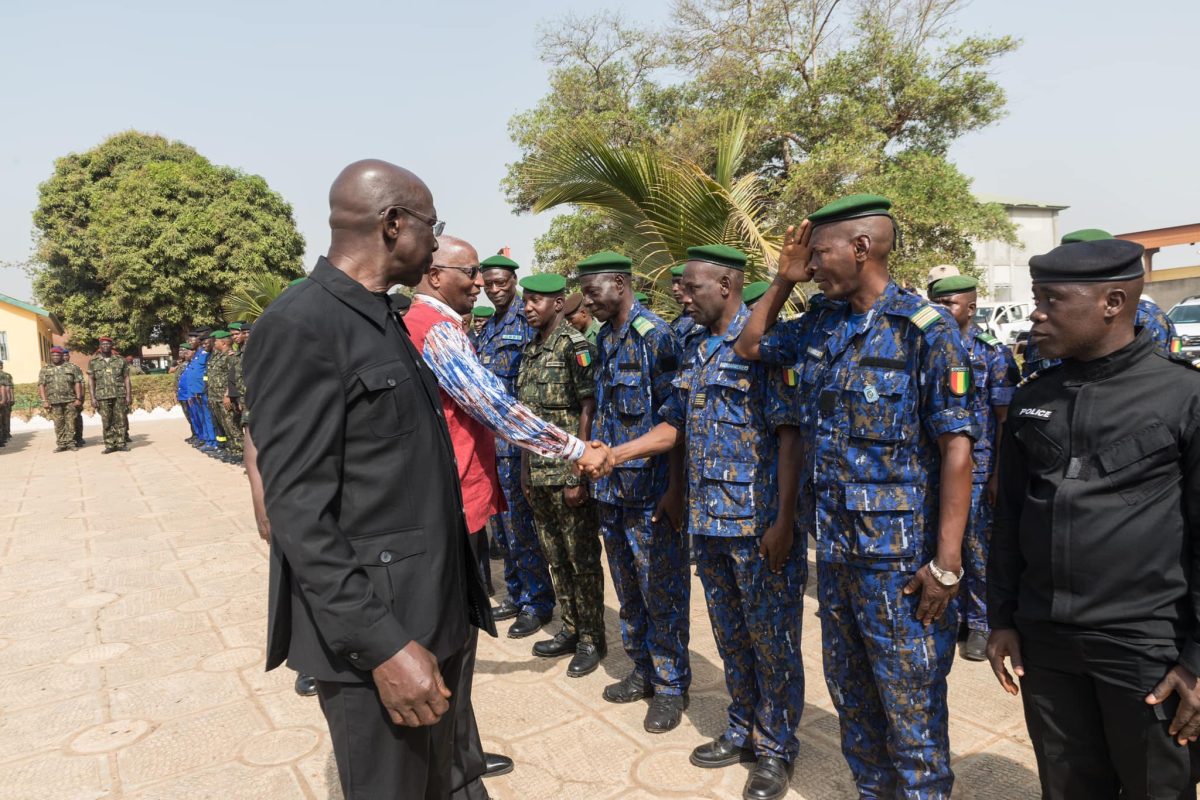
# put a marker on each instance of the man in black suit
(372, 584)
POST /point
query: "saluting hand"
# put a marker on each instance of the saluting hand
(1185, 726)
(1005, 643)
(795, 257)
(411, 688)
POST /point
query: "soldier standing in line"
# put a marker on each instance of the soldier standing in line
(683, 324)
(108, 382)
(7, 399)
(504, 335)
(79, 442)
(62, 396)
(479, 317)
(576, 312)
(216, 378)
(557, 382)
(181, 395)
(739, 421)
(884, 381)
(640, 503)
(994, 378)
(231, 402)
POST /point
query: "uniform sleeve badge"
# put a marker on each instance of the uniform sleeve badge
(924, 317)
(643, 326)
(1176, 344)
(789, 377)
(960, 381)
(583, 358)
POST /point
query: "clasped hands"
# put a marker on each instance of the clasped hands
(596, 462)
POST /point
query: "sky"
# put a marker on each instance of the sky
(1102, 112)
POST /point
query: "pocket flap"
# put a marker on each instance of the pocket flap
(715, 469)
(381, 549)
(1135, 447)
(627, 379)
(731, 379)
(882, 497)
(886, 382)
(383, 376)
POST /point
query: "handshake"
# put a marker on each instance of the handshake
(597, 461)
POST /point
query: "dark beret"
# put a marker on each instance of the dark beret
(1096, 261)
(572, 304)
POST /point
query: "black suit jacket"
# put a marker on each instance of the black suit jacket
(369, 546)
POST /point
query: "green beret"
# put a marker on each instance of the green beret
(641, 297)
(544, 283)
(677, 270)
(1085, 235)
(753, 291)
(952, 285)
(605, 261)
(185, 346)
(852, 207)
(236, 326)
(220, 334)
(1097, 261)
(720, 254)
(298, 280)
(483, 312)
(499, 262)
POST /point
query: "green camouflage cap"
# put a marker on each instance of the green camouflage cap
(544, 283)
(720, 254)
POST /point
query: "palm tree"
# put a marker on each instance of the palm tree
(247, 302)
(660, 204)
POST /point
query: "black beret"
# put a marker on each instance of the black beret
(1097, 261)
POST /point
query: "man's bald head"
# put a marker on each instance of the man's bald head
(367, 187)
(449, 277)
(456, 252)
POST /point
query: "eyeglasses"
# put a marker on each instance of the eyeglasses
(470, 272)
(438, 225)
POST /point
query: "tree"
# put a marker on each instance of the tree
(837, 98)
(142, 238)
(247, 302)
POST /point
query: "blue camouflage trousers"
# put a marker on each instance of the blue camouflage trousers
(886, 674)
(974, 557)
(756, 619)
(526, 575)
(649, 567)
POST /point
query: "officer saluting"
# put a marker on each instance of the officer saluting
(1093, 578)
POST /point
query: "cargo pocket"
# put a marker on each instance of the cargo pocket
(728, 488)
(884, 520)
(387, 392)
(877, 403)
(385, 555)
(1140, 464)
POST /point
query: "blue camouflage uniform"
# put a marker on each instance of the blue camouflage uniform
(1149, 315)
(994, 378)
(198, 401)
(647, 559)
(729, 410)
(875, 396)
(526, 575)
(682, 326)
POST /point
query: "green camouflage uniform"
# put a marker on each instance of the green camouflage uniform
(5, 410)
(233, 420)
(109, 374)
(555, 376)
(79, 411)
(216, 378)
(60, 382)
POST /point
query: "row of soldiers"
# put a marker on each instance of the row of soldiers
(211, 389)
(60, 388)
(870, 423)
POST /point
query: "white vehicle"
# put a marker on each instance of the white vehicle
(1186, 317)
(1005, 321)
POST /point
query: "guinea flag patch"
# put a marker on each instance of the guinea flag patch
(960, 381)
(789, 376)
(583, 358)
(1176, 344)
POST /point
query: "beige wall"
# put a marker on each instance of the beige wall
(28, 337)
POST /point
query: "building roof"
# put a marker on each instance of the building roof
(1016, 202)
(41, 312)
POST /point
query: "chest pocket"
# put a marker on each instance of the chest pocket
(554, 385)
(728, 488)
(1042, 453)
(1142, 463)
(729, 395)
(979, 380)
(505, 357)
(876, 401)
(387, 391)
(629, 394)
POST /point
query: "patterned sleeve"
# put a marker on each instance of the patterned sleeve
(782, 401)
(1003, 376)
(780, 345)
(945, 372)
(581, 355)
(481, 394)
(666, 365)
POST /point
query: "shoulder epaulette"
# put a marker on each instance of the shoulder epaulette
(925, 317)
(987, 338)
(642, 326)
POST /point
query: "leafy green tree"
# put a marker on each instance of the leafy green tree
(837, 97)
(247, 302)
(141, 238)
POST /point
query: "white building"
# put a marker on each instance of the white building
(1004, 268)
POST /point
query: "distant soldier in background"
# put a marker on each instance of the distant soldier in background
(62, 396)
(7, 399)
(78, 411)
(577, 314)
(108, 382)
(216, 378)
(179, 370)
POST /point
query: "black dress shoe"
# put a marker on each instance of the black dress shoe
(587, 657)
(526, 625)
(666, 710)
(975, 647)
(630, 689)
(563, 644)
(506, 610)
(720, 753)
(496, 764)
(768, 780)
(108, 450)
(306, 685)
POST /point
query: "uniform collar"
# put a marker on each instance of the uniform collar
(737, 323)
(1079, 372)
(635, 311)
(350, 292)
(437, 304)
(496, 322)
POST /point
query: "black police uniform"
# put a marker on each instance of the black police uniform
(1095, 561)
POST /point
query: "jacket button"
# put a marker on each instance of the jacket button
(391, 381)
(386, 556)
(354, 656)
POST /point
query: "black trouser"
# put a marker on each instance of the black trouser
(467, 767)
(1093, 733)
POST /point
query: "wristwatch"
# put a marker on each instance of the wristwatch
(944, 576)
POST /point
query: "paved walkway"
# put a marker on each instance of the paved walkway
(132, 619)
